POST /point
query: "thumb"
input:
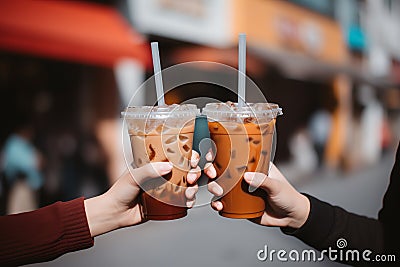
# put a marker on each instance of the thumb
(151, 170)
(260, 180)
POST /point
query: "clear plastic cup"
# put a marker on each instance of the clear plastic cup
(160, 134)
(243, 137)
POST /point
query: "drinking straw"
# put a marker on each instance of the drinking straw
(157, 73)
(242, 70)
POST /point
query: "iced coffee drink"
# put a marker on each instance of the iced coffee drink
(160, 134)
(243, 138)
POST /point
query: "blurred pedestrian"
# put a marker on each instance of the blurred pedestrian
(21, 164)
(319, 130)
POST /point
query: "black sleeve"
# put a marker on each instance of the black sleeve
(326, 224)
(388, 215)
(331, 227)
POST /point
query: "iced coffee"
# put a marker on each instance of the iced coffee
(160, 134)
(243, 138)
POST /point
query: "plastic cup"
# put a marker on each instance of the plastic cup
(243, 137)
(160, 134)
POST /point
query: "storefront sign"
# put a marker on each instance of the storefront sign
(205, 22)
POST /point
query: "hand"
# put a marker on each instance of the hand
(119, 207)
(209, 169)
(285, 207)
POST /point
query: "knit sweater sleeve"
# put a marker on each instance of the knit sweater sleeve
(44, 234)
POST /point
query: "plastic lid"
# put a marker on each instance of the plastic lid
(231, 110)
(161, 112)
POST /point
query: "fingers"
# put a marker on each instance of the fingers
(273, 183)
(193, 175)
(276, 173)
(190, 195)
(215, 189)
(254, 179)
(217, 205)
(268, 220)
(209, 156)
(260, 180)
(190, 203)
(194, 160)
(151, 170)
(190, 192)
(155, 169)
(209, 170)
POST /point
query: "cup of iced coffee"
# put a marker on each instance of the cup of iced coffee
(160, 134)
(243, 138)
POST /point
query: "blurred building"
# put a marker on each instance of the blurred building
(307, 55)
(295, 54)
(70, 67)
(381, 20)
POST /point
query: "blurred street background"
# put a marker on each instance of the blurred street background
(67, 69)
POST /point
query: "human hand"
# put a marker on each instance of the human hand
(209, 168)
(119, 207)
(285, 206)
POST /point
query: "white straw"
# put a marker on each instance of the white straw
(157, 73)
(242, 70)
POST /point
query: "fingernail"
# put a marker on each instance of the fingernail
(194, 162)
(219, 191)
(211, 171)
(254, 179)
(191, 176)
(248, 176)
(219, 205)
(190, 192)
(190, 203)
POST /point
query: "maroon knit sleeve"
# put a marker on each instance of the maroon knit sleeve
(44, 234)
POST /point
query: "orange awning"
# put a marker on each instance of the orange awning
(68, 30)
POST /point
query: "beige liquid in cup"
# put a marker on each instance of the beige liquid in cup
(163, 198)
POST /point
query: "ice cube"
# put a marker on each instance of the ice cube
(186, 148)
(241, 169)
(171, 140)
(183, 138)
(181, 161)
(169, 150)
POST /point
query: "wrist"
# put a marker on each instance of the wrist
(302, 210)
(102, 215)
